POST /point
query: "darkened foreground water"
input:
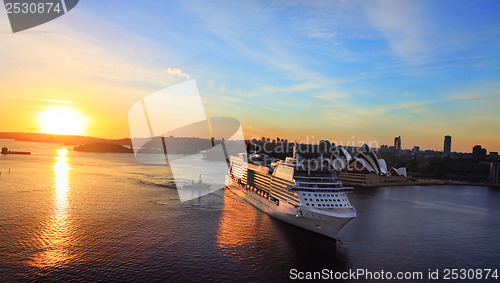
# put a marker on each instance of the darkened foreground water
(100, 217)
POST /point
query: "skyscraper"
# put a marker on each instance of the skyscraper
(478, 152)
(447, 144)
(397, 143)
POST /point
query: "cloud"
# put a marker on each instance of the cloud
(179, 73)
(401, 23)
(331, 95)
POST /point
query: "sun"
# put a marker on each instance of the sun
(61, 120)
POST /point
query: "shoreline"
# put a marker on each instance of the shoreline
(428, 182)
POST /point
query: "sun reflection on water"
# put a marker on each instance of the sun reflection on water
(55, 235)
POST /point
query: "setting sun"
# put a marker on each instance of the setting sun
(61, 120)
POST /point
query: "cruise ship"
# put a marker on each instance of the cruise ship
(301, 192)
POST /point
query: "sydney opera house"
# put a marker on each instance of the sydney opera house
(364, 168)
(365, 161)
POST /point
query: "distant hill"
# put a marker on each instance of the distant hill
(177, 145)
(64, 139)
(103, 147)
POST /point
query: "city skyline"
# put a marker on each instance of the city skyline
(373, 70)
(397, 141)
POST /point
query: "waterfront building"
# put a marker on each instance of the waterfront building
(493, 155)
(494, 173)
(365, 161)
(398, 171)
(364, 168)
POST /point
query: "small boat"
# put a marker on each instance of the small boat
(196, 186)
(7, 151)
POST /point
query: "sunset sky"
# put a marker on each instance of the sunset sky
(336, 70)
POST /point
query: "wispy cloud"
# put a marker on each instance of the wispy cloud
(178, 73)
(37, 99)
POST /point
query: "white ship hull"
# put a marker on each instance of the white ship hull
(327, 223)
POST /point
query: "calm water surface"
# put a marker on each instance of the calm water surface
(100, 217)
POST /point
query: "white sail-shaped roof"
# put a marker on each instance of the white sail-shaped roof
(364, 161)
(344, 153)
(360, 165)
(340, 162)
(383, 167)
(368, 158)
(398, 171)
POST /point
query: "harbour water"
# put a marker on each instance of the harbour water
(100, 217)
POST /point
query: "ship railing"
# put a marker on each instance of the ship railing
(318, 186)
(334, 184)
(315, 177)
(320, 190)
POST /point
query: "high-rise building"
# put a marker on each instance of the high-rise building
(324, 146)
(478, 152)
(397, 143)
(447, 144)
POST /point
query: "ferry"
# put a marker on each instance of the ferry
(304, 193)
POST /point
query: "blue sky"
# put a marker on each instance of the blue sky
(337, 70)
